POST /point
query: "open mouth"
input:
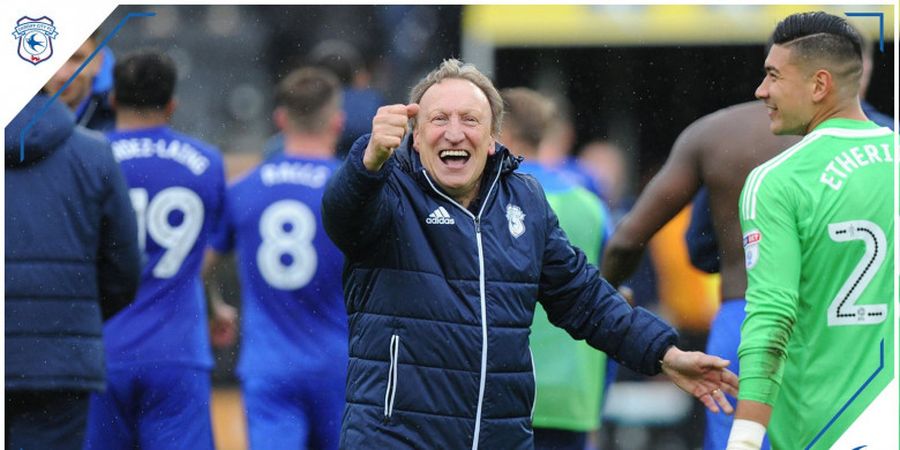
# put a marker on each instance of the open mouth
(454, 158)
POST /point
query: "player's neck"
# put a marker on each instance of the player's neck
(309, 145)
(133, 119)
(849, 109)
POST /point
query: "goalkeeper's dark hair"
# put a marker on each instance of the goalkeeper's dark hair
(821, 40)
(144, 79)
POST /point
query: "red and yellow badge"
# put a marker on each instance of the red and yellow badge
(751, 248)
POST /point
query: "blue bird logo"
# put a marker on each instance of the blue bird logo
(35, 38)
(34, 43)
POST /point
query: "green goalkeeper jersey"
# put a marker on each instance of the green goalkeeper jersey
(817, 342)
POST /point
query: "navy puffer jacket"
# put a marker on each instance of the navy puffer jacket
(72, 257)
(440, 301)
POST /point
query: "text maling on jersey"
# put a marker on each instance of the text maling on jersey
(847, 161)
(175, 150)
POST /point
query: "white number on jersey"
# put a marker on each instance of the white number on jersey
(153, 219)
(287, 227)
(843, 309)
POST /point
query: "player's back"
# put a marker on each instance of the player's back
(292, 298)
(733, 142)
(835, 191)
(177, 188)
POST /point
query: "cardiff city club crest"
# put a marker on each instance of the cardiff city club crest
(516, 219)
(35, 38)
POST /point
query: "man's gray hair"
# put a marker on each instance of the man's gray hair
(454, 68)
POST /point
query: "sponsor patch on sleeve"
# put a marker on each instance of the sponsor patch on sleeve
(751, 248)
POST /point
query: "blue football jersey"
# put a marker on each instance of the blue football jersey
(293, 316)
(177, 188)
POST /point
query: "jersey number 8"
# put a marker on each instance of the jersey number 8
(286, 257)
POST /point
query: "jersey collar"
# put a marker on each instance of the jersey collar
(846, 124)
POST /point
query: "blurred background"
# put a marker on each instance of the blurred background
(634, 76)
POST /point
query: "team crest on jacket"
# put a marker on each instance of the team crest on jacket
(516, 219)
(35, 38)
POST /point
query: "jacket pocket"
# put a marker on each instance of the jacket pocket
(391, 391)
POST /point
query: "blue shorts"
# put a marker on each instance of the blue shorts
(293, 412)
(152, 408)
(723, 341)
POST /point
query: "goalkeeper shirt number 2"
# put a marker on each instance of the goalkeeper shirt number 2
(817, 222)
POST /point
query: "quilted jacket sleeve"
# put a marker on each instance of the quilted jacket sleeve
(354, 209)
(580, 301)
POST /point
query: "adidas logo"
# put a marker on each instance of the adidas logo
(440, 216)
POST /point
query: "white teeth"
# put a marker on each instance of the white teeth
(448, 153)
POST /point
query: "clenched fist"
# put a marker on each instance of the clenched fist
(388, 129)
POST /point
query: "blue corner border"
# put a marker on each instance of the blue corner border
(43, 110)
(880, 16)
(846, 405)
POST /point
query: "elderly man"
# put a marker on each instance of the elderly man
(447, 250)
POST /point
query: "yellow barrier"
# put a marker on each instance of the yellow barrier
(582, 25)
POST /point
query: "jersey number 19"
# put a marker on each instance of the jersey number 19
(153, 220)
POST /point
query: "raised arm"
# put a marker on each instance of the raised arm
(354, 209)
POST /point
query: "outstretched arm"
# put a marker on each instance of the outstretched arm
(703, 376)
(578, 300)
(669, 191)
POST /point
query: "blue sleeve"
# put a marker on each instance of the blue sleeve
(221, 238)
(606, 228)
(700, 236)
(580, 301)
(355, 211)
(118, 256)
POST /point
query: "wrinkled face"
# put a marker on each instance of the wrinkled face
(453, 136)
(787, 92)
(81, 85)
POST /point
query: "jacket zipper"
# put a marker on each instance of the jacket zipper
(481, 289)
(391, 391)
(533, 377)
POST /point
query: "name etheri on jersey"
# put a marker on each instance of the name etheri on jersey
(852, 159)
